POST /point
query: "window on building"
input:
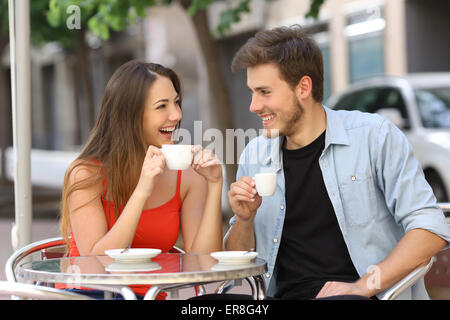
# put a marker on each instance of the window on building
(365, 34)
(48, 141)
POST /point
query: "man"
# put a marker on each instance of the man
(352, 213)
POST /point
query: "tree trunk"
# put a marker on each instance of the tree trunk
(217, 83)
(85, 69)
(5, 113)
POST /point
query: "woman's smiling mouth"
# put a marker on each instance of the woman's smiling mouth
(167, 132)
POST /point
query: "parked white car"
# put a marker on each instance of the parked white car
(419, 104)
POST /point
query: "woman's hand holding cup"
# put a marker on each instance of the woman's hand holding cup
(153, 166)
(206, 164)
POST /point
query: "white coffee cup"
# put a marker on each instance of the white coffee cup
(266, 183)
(177, 156)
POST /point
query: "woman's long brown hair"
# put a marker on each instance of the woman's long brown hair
(116, 147)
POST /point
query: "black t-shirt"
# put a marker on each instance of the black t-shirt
(312, 250)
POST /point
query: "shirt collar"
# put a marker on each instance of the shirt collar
(336, 134)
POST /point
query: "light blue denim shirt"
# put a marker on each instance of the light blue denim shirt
(376, 186)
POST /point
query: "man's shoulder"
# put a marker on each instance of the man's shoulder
(356, 119)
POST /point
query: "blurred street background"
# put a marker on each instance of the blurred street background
(72, 60)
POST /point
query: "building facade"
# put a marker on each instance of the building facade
(358, 38)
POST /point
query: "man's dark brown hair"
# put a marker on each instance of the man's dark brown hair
(295, 53)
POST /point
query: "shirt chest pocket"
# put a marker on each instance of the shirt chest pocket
(358, 194)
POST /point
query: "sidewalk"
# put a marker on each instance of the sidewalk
(41, 229)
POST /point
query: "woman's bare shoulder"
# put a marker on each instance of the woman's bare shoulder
(81, 169)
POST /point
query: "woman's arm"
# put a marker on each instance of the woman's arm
(201, 214)
(88, 223)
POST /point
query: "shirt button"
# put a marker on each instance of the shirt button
(275, 240)
(267, 275)
(353, 178)
(282, 207)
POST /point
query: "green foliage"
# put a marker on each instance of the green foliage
(314, 8)
(232, 15)
(3, 17)
(101, 16)
(197, 5)
(41, 32)
(49, 17)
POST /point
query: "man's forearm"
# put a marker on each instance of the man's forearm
(415, 249)
(241, 236)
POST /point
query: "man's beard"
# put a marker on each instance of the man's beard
(290, 125)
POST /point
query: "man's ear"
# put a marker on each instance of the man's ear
(303, 90)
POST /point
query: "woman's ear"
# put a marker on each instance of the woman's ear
(303, 90)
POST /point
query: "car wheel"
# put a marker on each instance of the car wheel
(437, 185)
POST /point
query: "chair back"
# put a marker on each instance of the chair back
(445, 206)
(49, 248)
(17, 256)
(437, 280)
(175, 249)
(408, 281)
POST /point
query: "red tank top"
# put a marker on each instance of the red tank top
(157, 228)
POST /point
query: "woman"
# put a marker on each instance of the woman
(119, 193)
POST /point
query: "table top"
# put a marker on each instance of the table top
(166, 268)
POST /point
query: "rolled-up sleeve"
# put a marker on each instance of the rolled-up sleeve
(408, 195)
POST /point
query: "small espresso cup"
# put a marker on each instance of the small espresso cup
(177, 156)
(266, 183)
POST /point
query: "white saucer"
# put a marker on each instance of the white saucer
(133, 254)
(132, 267)
(225, 267)
(234, 257)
